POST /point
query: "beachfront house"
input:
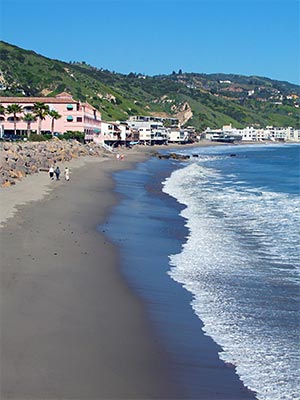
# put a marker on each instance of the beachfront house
(109, 134)
(282, 134)
(225, 134)
(179, 135)
(114, 134)
(74, 115)
(150, 131)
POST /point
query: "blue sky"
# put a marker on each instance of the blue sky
(247, 37)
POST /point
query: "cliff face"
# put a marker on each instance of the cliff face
(184, 113)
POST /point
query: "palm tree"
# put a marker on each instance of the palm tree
(14, 109)
(41, 110)
(54, 115)
(28, 117)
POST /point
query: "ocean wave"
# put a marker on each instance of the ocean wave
(240, 260)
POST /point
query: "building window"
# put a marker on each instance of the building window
(69, 107)
(11, 119)
(28, 108)
(69, 118)
(79, 119)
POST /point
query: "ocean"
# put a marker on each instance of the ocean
(212, 246)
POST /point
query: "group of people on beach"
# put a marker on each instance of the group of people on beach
(56, 172)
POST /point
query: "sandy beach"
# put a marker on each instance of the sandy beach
(71, 328)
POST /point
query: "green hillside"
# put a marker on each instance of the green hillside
(196, 99)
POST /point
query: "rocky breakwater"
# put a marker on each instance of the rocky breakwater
(17, 160)
(173, 156)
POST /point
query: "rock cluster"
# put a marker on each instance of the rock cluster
(20, 159)
(173, 156)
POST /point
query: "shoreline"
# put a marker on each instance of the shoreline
(71, 327)
(154, 234)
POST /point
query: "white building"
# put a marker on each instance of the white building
(251, 134)
(294, 135)
(278, 133)
(109, 134)
(177, 135)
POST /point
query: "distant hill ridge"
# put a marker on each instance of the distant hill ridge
(197, 99)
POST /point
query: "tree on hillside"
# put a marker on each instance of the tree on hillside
(29, 118)
(54, 115)
(14, 109)
(41, 110)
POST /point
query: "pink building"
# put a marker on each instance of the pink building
(75, 116)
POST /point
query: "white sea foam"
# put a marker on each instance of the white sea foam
(241, 254)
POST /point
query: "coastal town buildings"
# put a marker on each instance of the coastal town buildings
(75, 116)
(157, 130)
(251, 134)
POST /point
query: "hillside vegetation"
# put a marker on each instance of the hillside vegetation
(200, 100)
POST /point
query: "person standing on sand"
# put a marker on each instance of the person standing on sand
(57, 173)
(51, 173)
(67, 174)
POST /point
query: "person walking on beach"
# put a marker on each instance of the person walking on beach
(57, 173)
(67, 174)
(51, 173)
